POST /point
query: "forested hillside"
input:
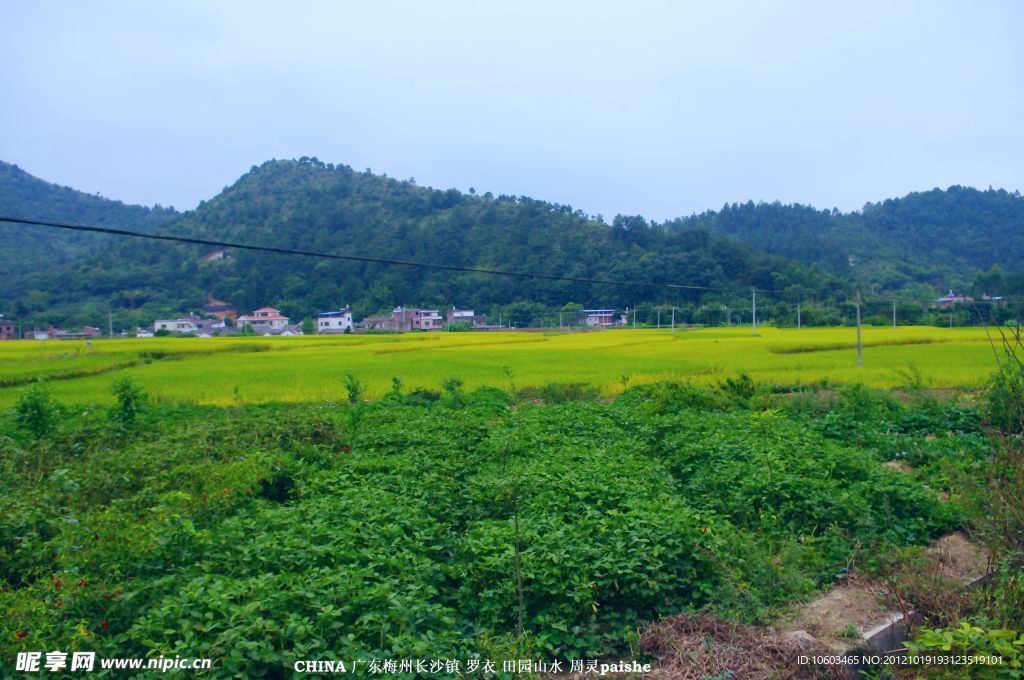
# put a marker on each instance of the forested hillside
(314, 206)
(940, 237)
(29, 249)
(918, 245)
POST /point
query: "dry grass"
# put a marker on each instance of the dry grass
(700, 647)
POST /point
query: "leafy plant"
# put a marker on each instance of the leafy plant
(354, 388)
(978, 643)
(131, 399)
(35, 411)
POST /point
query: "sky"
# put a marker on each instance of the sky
(655, 108)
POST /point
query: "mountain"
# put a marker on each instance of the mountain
(310, 205)
(28, 249)
(918, 245)
(940, 237)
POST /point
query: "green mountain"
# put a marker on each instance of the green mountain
(310, 205)
(940, 237)
(918, 244)
(32, 249)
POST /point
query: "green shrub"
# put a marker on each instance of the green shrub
(666, 397)
(354, 388)
(131, 399)
(559, 393)
(976, 642)
(420, 397)
(35, 411)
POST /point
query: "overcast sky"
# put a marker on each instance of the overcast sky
(656, 108)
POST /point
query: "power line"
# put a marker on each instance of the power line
(359, 258)
(431, 265)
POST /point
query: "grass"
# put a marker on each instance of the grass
(222, 371)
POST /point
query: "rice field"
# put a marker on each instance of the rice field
(232, 370)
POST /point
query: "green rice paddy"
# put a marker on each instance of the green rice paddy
(233, 370)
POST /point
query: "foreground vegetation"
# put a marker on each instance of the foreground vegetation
(230, 371)
(452, 522)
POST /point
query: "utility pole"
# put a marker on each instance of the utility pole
(860, 347)
(753, 310)
(559, 319)
(673, 318)
(659, 317)
(894, 315)
(798, 316)
(634, 317)
(110, 324)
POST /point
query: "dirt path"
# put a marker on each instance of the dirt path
(841, 618)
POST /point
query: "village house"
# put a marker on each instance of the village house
(6, 329)
(265, 321)
(189, 324)
(466, 316)
(403, 319)
(334, 322)
(427, 319)
(55, 333)
(599, 317)
(951, 299)
(374, 323)
(185, 324)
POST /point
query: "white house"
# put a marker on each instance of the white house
(264, 320)
(334, 322)
(185, 324)
(466, 316)
(599, 317)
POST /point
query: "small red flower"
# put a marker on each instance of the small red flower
(83, 584)
(22, 634)
(56, 584)
(103, 624)
(106, 596)
(345, 448)
(59, 603)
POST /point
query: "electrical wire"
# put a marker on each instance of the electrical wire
(362, 258)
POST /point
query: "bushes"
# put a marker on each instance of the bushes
(130, 400)
(35, 412)
(253, 534)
